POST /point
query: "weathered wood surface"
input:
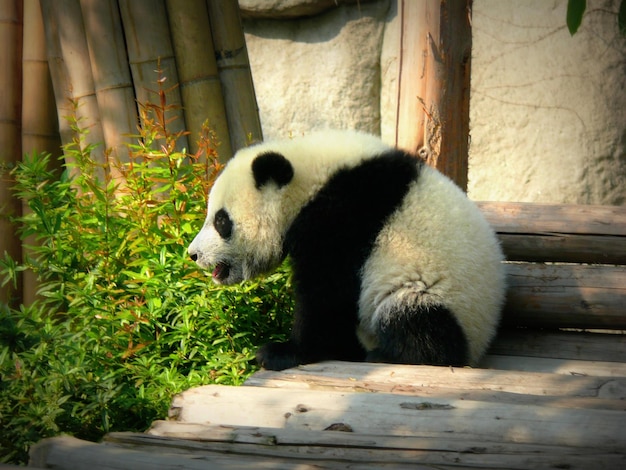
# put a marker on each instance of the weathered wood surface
(559, 232)
(400, 415)
(494, 386)
(572, 345)
(198, 446)
(566, 296)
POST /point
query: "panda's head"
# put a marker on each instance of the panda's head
(259, 194)
(246, 217)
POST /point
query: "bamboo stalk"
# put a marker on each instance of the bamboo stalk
(70, 67)
(234, 69)
(10, 131)
(433, 92)
(149, 47)
(197, 71)
(111, 75)
(40, 131)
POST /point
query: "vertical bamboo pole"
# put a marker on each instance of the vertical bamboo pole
(40, 132)
(234, 68)
(433, 101)
(111, 74)
(70, 67)
(197, 71)
(149, 47)
(10, 131)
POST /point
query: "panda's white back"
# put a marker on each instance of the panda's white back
(436, 248)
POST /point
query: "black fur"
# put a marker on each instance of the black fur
(223, 224)
(271, 166)
(329, 242)
(421, 335)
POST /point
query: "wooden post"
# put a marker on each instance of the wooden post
(433, 91)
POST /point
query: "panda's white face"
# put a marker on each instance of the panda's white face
(243, 232)
(258, 195)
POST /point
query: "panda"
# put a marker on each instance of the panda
(391, 261)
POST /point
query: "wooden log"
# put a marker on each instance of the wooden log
(397, 415)
(554, 366)
(69, 453)
(201, 89)
(235, 75)
(223, 447)
(521, 217)
(433, 83)
(559, 232)
(369, 449)
(566, 296)
(570, 345)
(515, 387)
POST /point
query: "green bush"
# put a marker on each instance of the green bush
(124, 320)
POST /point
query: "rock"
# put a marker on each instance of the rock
(319, 72)
(288, 9)
(548, 110)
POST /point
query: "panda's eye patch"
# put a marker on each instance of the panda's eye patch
(222, 223)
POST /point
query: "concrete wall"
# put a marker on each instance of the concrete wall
(548, 111)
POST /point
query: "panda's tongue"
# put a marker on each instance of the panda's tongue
(221, 271)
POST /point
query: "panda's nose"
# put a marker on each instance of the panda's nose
(193, 256)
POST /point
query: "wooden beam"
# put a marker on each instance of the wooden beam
(434, 83)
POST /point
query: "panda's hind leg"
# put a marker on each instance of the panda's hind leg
(419, 334)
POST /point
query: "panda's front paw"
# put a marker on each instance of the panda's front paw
(278, 356)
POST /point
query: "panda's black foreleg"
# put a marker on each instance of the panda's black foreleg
(321, 331)
(278, 356)
(420, 335)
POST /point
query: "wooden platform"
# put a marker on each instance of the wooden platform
(551, 393)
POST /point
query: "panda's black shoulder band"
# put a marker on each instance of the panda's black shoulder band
(271, 166)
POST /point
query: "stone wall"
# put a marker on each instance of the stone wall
(548, 111)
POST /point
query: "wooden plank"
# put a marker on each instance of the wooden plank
(554, 366)
(564, 247)
(69, 453)
(397, 415)
(571, 345)
(501, 386)
(559, 232)
(520, 217)
(566, 296)
(373, 450)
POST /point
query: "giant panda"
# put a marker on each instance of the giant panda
(391, 261)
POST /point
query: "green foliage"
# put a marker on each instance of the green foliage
(574, 16)
(576, 10)
(124, 320)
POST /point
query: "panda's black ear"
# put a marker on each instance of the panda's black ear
(271, 166)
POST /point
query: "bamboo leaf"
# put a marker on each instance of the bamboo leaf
(621, 18)
(575, 11)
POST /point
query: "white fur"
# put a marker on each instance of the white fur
(436, 249)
